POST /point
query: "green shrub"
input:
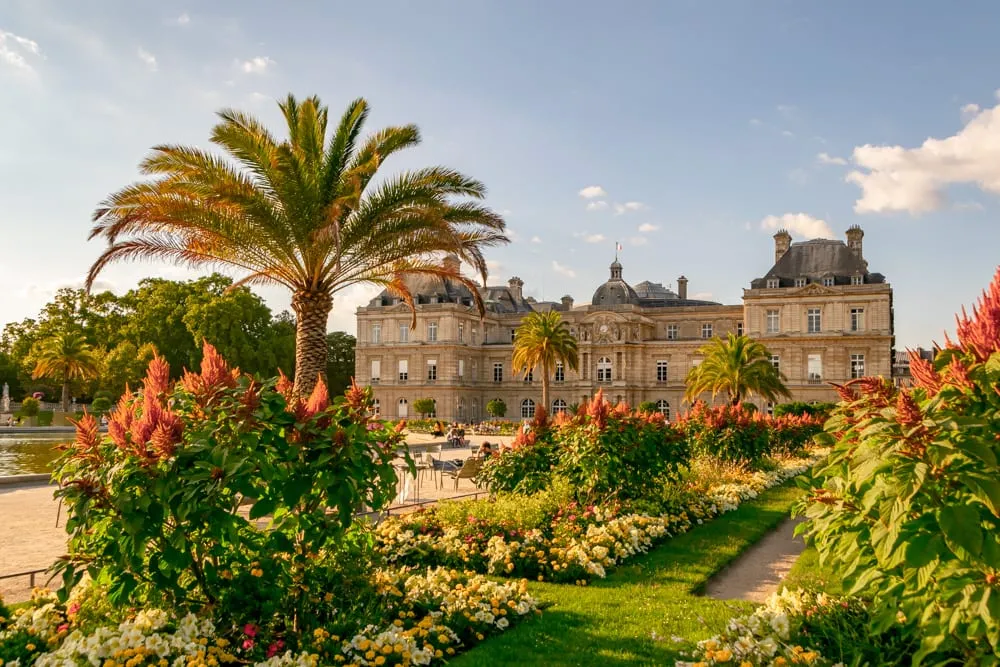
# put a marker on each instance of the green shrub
(506, 512)
(45, 417)
(100, 405)
(727, 432)
(820, 410)
(496, 408)
(29, 407)
(152, 507)
(907, 508)
(424, 406)
(647, 407)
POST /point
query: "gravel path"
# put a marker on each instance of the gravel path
(760, 570)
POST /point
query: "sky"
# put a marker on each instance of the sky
(687, 131)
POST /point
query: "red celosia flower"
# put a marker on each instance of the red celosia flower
(157, 375)
(319, 399)
(845, 392)
(285, 387)
(88, 438)
(924, 374)
(907, 411)
(980, 333)
(958, 374)
(356, 397)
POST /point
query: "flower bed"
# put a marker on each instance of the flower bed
(427, 616)
(574, 544)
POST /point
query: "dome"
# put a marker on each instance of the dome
(654, 291)
(615, 292)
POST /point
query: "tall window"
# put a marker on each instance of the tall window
(498, 372)
(773, 322)
(432, 370)
(461, 368)
(432, 331)
(404, 370)
(530, 375)
(460, 409)
(671, 332)
(776, 362)
(527, 409)
(404, 333)
(513, 334)
(558, 406)
(769, 409)
(376, 408)
(772, 283)
(376, 333)
(403, 408)
(661, 371)
(475, 335)
(604, 370)
(560, 372)
(739, 328)
(663, 408)
(706, 330)
(815, 367)
(813, 322)
(857, 319)
(461, 332)
(376, 370)
(857, 366)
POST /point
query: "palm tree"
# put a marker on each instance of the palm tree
(738, 366)
(65, 357)
(541, 341)
(303, 212)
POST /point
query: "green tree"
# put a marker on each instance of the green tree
(737, 366)
(496, 408)
(303, 212)
(237, 323)
(66, 357)
(124, 364)
(340, 361)
(648, 407)
(424, 406)
(542, 340)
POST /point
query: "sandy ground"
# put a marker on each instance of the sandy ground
(760, 570)
(30, 539)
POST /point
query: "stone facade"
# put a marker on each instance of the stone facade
(821, 313)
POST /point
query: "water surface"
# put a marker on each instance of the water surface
(21, 454)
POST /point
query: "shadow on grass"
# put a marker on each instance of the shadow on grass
(635, 615)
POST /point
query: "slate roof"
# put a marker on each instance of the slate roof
(815, 260)
(433, 289)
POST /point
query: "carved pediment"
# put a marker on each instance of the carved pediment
(815, 289)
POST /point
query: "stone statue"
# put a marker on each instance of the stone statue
(6, 397)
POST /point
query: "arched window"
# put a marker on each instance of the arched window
(460, 409)
(664, 408)
(404, 408)
(604, 370)
(527, 409)
(558, 406)
(376, 408)
(475, 409)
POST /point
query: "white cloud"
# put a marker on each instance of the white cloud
(755, 122)
(16, 52)
(647, 227)
(594, 238)
(183, 19)
(257, 65)
(968, 206)
(592, 191)
(637, 240)
(494, 269)
(894, 178)
(826, 158)
(148, 58)
(596, 205)
(512, 235)
(787, 133)
(969, 111)
(536, 239)
(701, 296)
(563, 270)
(629, 206)
(798, 224)
(786, 110)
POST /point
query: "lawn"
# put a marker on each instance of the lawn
(631, 617)
(809, 574)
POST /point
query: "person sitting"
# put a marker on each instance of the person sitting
(485, 450)
(438, 430)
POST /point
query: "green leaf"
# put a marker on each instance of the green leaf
(961, 529)
(262, 508)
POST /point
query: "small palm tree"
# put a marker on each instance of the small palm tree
(303, 212)
(541, 341)
(737, 366)
(65, 357)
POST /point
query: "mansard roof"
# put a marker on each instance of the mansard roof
(818, 259)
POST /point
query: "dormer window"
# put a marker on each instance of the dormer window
(857, 279)
(772, 283)
(828, 282)
(800, 282)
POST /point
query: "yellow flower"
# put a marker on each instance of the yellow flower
(725, 655)
(30, 647)
(380, 660)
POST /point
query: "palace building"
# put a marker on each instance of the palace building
(820, 311)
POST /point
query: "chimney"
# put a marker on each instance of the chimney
(567, 302)
(515, 284)
(782, 241)
(682, 287)
(854, 236)
(451, 263)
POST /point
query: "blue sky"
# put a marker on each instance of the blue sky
(696, 127)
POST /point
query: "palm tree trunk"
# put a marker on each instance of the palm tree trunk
(312, 308)
(65, 396)
(545, 387)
